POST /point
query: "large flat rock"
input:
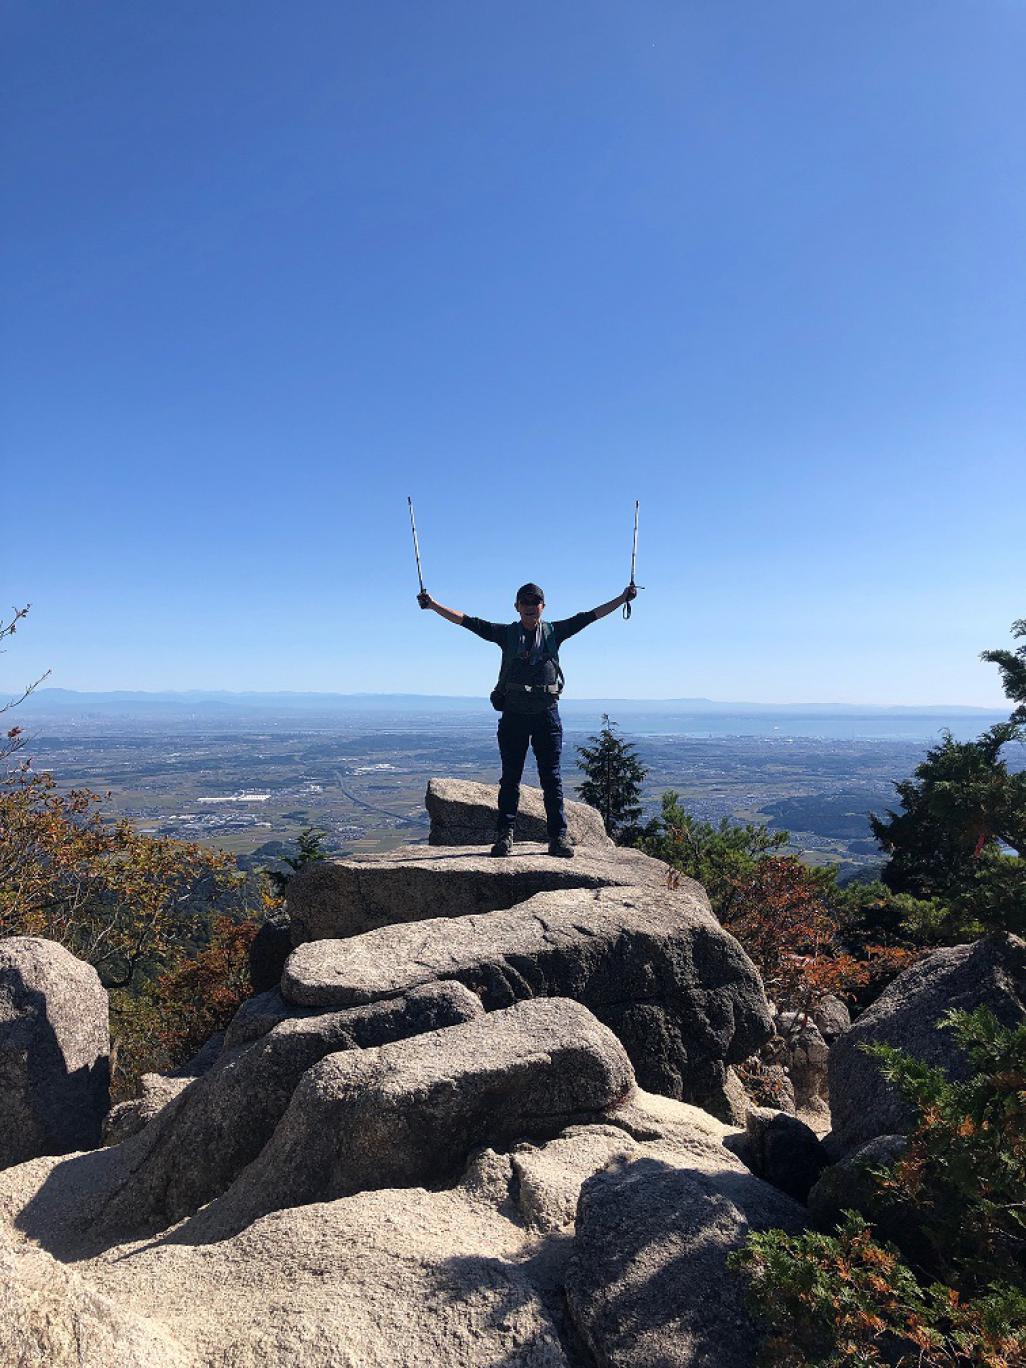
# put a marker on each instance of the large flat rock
(330, 899)
(653, 964)
(464, 812)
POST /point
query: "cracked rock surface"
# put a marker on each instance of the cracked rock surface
(409, 1113)
(466, 1276)
(988, 973)
(128, 1118)
(654, 965)
(647, 1283)
(194, 1148)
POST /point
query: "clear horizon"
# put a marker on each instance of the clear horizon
(268, 272)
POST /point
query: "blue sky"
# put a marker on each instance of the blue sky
(272, 267)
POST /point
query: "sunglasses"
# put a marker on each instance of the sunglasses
(530, 602)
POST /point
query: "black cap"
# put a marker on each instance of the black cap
(529, 591)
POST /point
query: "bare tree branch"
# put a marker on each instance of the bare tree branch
(15, 739)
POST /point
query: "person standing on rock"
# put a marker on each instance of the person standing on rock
(527, 695)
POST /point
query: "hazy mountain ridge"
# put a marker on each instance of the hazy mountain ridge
(73, 700)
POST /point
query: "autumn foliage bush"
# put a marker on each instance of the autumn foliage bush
(124, 902)
(777, 908)
(957, 1295)
(163, 1024)
(146, 912)
(964, 1167)
(201, 995)
(848, 1301)
(778, 914)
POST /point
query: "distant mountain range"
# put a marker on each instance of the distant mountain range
(124, 701)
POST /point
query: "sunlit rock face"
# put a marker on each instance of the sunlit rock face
(463, 813)
(652, 964)
(54, 1051)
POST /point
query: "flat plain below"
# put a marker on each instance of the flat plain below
(246, 780)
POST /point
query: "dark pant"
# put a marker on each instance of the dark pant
(545, 733)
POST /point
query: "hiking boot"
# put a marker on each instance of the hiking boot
(562, 847)
(503, 844)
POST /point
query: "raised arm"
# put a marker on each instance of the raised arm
(606, 608)
(450, 614)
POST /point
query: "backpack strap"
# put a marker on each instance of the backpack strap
(509, 652)
(552, 650)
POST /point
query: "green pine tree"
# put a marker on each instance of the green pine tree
(961, 834)
(311, 847)
(613, 783)
(1012, 665)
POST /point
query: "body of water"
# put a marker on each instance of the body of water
(846, 727)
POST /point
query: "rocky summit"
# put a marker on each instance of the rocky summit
(485, 1114)
(336, 898)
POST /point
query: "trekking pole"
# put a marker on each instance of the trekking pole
(416, 544)
(634, 561)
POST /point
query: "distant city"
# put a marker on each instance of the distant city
(249, 776)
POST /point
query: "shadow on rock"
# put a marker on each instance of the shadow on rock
(64, 1216)
(648, 1283)
(519, 1305)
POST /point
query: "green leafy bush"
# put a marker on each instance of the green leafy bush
(774, 905)
(850, 1299)
(965, 1165)
(721, 857)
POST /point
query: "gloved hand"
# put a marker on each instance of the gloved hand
(631, 592)
(424, 599)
